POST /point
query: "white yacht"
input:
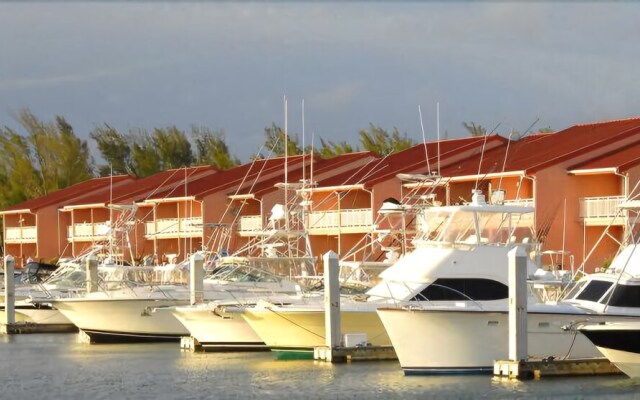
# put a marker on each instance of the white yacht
(615, 295)
(454, 315)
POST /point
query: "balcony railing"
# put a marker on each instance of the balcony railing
(87, 232)
(174, 227)
(346, 221)
(25, 234)
(250, 224)
(601, 211)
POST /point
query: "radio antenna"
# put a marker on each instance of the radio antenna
(424, 141)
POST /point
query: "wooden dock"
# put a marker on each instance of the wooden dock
(359, 353)
(538, 368)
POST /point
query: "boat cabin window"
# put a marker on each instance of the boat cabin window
(456, 289)
(594, 290)
(625, 296)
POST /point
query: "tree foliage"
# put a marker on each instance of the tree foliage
(275, 139)
(44, 157)
(115, 150)
(212, 148)
(379, 141)
(475, 130)
(142, 153)
(329, 149)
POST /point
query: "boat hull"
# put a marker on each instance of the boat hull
(42, 315)
(124, 320)
(619, 343)
(219, 330)
(448, 341)
(299, 331)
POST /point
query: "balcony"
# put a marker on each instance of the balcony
(250, 225)
(601, 211)
(87, 232)
(24, 234)
(168, 228)
(343, 221)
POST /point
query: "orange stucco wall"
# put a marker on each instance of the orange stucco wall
(557, 199)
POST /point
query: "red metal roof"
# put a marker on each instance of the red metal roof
(142, 188)
(622, 159)
(79, 189)
(320, 166)
(538, 151)
(244, 174)
(410, 160)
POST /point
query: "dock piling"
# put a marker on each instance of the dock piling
(9, 291)
(196, 276)
(92, 274)
(331, 302)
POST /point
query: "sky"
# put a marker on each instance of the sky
(229, 65)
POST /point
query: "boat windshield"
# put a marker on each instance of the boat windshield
(67, 276)
(474, 227)
(241, 273)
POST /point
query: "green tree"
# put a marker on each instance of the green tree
(212, 148)
(20, 180)
(275, 141)
(172, 146)
(329, 149)
(145, 160)
(76, 163)
(46, 157)
(474, 130)
(546, 130)
(115, 149)
(379, 141)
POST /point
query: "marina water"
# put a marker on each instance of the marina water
(56, 366)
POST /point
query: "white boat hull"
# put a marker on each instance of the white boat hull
(448, 341)
(123, 319)
(219, 329)
(619, 342)
(626, 361)
(29, 314)
(297, 329)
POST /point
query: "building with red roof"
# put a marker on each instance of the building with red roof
(575, 178)
(31, 228)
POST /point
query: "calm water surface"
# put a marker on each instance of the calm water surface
(42, 366)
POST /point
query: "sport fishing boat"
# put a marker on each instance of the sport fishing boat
(471, 331)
